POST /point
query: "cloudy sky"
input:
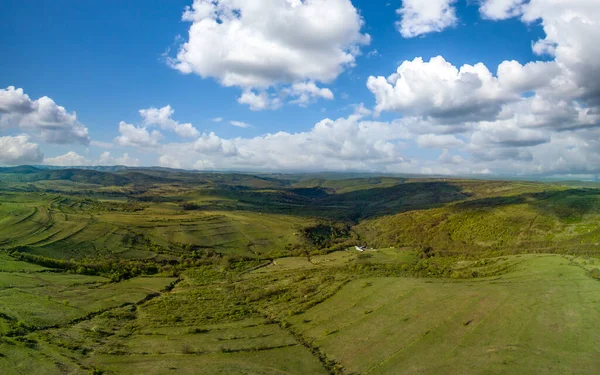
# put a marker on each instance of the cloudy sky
(412, 86)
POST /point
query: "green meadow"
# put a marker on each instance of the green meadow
(541, 317)
(157, 272)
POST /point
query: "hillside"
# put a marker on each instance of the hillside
(562, 221)
(160, 271)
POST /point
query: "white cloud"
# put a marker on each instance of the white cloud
(500, 9)
(446, 158)
(260, 44)
(168, 161)
(41, 118)
(259, 101)
(572, 32)
(240, 124)
(137, 136)
(373, 53)
(443, 141)
(217, 119)
(203, 165)
(351, 143)
(70, 159)
(301, 93)
(437, 88)
(418, 17)
(507, 133)
(307, 92)
(163, 118)
(73, 159)
(19, 150)
(107, 159)
(539, 118)
(516, 78)
(211, 144)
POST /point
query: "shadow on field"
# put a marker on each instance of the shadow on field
(567, 205)
(350, 206)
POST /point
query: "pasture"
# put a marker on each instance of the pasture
(542, 317)
(158, 272)
(71, 228)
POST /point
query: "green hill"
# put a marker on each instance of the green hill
(552, 221)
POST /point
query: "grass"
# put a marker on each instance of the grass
(194, 326)
(540, 316)
(154, 271)
(559, 221)
(71, 228)
(47, 299)
(288, 360)
(9, 264)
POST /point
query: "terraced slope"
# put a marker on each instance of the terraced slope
(65, 227)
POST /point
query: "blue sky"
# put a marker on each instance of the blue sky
(107, 60)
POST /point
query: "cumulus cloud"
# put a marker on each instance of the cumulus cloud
(144, 137)
(301, 93)
(211, 144)
(260, 44)
(134, 136)
(443, 141)
(70, 159)
(542, 117)
(163, 118)
(304, 93)
(506, 133)
(19, 150)
(572, 31)
(41, 118)
(259, 101)
(168, 161)
(240, 124)
(107, 159)
(418, 17)
(437, 88)
(73, 159)
(349, 143)
(500, 9)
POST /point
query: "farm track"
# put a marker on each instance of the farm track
(33, 212)
(43, 225)
(94, 314)
(50, 240)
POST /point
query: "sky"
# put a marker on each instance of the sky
(452, 87)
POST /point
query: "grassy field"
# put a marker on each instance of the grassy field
(121, 271)
(32, 297)
(542, 317)
(555, 221)
(539, 315)
(68, 228)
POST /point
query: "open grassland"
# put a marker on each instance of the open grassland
(68, 228)
(161, 216)
(121, 271)
(203, 323)
(33, 297)
(536, 314)
(542, 317)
